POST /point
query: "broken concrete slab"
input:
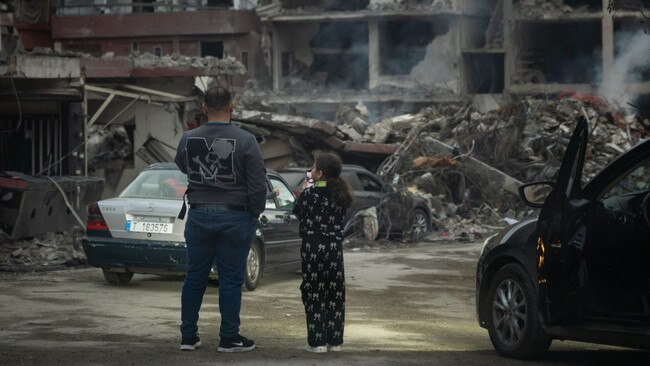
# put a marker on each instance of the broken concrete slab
(497, 177)
(31, 206)
(316, 130)
(44, 67)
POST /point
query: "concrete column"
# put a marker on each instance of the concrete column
(608, 43)
(509, 45)
(374, 63)
(176, 45)
(277, 57)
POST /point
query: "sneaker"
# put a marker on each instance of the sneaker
(336, 348)
(317, 349)
(236, 344)
(190, 344)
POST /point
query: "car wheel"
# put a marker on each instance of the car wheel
(419, 224)
(513, 320)
(253, 267)
(117, 278)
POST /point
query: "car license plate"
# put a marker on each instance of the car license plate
(149, 227)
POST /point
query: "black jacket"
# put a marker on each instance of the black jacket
(223, 164)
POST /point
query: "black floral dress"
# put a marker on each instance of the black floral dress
(323, 277)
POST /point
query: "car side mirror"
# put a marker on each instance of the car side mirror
(534, 194)
(388, 189)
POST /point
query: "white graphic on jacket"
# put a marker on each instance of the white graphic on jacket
(210, 164)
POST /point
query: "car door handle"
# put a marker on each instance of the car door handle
(264, 220)
(284, 218)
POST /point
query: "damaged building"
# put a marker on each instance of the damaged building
(81, 111)
(103, 88)
(387, 54)
(404, 54)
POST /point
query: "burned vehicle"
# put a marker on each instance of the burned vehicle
(139, 231)
(579, 271)
(401, 212)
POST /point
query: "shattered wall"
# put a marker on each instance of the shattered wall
(565, 53)
(438, 67)
(331, 54)
(143, 122)
(150, 121)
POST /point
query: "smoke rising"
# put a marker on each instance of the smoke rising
(632, 60)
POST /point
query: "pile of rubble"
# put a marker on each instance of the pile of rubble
(51, 250)
(108, 145)
(469, 158)
(468, 164)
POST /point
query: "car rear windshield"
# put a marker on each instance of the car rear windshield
(294, 178)
(165, 184)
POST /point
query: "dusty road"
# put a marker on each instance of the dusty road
(406, 306)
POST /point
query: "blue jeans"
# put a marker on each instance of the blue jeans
(227, 237)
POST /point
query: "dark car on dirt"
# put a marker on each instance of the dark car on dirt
(404, 212)
(139, 231)
(580, 270)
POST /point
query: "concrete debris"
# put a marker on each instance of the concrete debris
(51, 250)
(402, 5)
(370, 223)
(110, 145)
(47, 63)
(353, 118)
(222, 66)
(288, 7)
(546, 8)
(470, 164)
(309, 134)
(228, 65)
(33, 205)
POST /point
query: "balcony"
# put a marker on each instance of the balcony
(215, 21)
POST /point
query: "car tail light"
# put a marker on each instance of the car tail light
(96, 225)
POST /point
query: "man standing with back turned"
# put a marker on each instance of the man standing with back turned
(226, 193)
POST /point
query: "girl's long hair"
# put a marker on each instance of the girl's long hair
(339, 189)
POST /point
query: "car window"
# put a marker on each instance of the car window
(285, 197)
(636, 181)
(294, 179)
(369, 183)
(352, 180)
(164, 184)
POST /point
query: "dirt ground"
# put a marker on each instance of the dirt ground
(405, 306)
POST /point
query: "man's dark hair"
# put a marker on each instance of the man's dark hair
(217, 98)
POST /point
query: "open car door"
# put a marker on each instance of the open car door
(561, 236)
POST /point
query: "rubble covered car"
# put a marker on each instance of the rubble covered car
(140, 232)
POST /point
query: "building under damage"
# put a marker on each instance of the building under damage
(399, 53)
(103, 88)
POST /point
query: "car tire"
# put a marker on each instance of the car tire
(419, 224)
(117, 278)
(513, 320)
(253, 270)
